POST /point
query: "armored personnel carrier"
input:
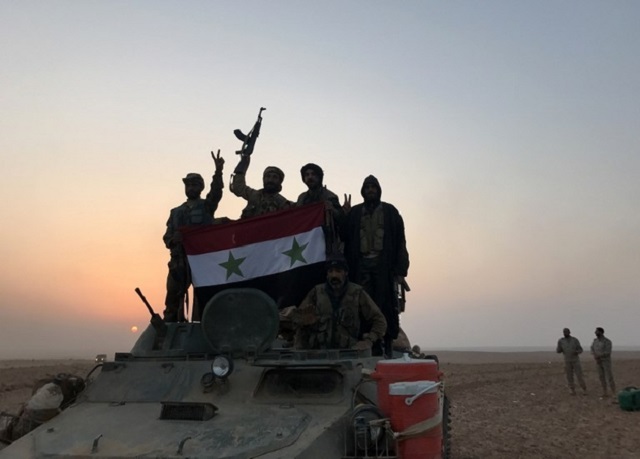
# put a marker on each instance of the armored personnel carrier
(226, 387)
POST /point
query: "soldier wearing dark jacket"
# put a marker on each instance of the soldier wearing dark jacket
(376, 251)
(268, 198)
(193, 212)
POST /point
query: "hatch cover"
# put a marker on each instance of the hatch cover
(240, 320)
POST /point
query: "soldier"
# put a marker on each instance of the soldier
(338, 314)
(195, 211)
(312, 176)
(375, 248)
(601, 350)
(49, 397)
(267, 199)
(570, 348)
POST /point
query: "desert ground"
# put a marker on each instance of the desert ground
(503, 405)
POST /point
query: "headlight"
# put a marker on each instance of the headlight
(222, 366)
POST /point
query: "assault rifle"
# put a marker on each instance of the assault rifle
(249, 140)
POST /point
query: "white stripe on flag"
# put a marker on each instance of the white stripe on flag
(259, 259)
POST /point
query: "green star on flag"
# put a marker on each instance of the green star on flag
(232, 265)
(295, 253)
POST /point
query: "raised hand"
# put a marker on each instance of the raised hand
(346, 206)
(218, 160)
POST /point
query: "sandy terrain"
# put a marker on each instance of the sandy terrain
(504, 405)
(524, 410)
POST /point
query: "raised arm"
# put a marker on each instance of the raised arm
(215, 192)
(238, 179)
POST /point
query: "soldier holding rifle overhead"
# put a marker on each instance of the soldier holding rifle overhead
(268, 198)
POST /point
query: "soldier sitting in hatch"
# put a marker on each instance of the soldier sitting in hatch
(334, 314)
(267, 199)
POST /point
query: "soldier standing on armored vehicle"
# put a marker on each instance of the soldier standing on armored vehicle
(338, 314)
(194, 211)
(312, 176)
(570, 348)
(267, 199)
(376, 251)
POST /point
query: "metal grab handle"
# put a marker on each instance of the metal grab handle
(409, 400)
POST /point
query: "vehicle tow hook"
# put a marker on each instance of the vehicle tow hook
(181, 445)
(94, 448)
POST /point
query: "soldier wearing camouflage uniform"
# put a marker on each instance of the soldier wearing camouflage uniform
(312, 175)
(195, 211)
(601, 350)
(571, 349)
(338, 314)
(268, 199)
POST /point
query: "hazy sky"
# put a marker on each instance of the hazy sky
(505, 132)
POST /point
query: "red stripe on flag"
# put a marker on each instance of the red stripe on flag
(205, 239)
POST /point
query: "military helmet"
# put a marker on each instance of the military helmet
(193, 177)
(275, 170)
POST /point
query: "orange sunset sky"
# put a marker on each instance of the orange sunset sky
(504, 132)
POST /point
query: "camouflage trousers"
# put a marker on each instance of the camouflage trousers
(606, 375)
(174, 301)
(178, 282)
(572, 367)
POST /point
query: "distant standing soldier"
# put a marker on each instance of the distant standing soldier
(601, 350)
(376, 251)
(194, 211)
(268, 199)
(570, 348)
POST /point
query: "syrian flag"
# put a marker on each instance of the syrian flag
(281, 253)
